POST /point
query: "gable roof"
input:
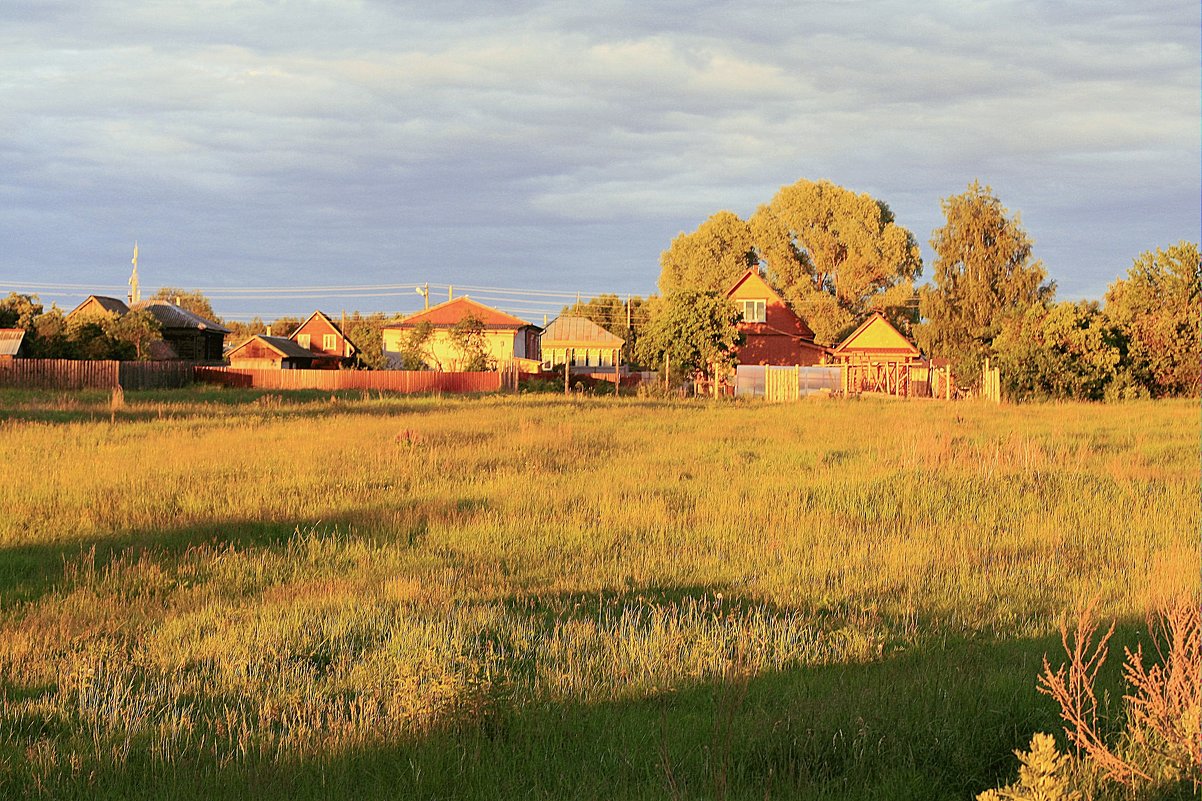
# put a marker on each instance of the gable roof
(450, 312)
(171, 316)
(10, 341)
(281, 345)
(333, 325)
(567, 330)
(754, 273)
(876, 335)
(113, 305)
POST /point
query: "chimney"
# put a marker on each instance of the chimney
(268, 330)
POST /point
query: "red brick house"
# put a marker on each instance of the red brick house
(772, 332)
(322, 337)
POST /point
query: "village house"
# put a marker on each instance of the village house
(185, 335)
(325, 340)
(507, 339)
(263, 352)
(772, 332)
(583, 344)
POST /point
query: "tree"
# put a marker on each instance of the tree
(698, 331)
(138, 328)
(1157, 311)
(367, 332)
(711, 258)
(19, 311)
(1066, 351)
(192, 300)
(837, 256)
(414, 353)
(984, 277)
(468, 337)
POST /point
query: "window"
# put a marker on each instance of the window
(302, 340)
(329, 342)
(755, 311)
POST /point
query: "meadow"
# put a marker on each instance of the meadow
(228, 594)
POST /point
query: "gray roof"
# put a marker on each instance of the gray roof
(10, 340)
(579, 331)
(285, 347)
(111, 304)
(171, 316)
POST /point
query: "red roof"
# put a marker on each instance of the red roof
(449, 313)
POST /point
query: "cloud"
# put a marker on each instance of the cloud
(557, 142)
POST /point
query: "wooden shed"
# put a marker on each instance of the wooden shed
(12, 341)
(262, 352)
(878, 358)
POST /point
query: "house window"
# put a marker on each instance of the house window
(302, 340)
(755, 311)
(329, 342)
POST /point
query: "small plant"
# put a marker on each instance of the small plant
(1041, 777)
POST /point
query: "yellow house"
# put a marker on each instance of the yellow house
(506, 339)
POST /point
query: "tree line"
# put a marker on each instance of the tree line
(836, 256)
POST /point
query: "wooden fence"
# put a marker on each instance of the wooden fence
(94, 374)
(403, 381)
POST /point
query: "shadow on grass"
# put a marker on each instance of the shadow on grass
(940, 724)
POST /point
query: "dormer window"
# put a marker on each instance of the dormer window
(755, 311)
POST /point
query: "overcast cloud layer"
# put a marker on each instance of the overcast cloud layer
(556, 146)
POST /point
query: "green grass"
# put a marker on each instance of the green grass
(214, 593)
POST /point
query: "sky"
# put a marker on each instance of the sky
(258, 149)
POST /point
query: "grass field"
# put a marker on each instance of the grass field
(219, 594)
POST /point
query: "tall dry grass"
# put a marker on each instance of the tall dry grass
(215, 592)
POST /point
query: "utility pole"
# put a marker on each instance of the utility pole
(567, 368)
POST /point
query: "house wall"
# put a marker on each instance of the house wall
(777, 349)
(442, 354)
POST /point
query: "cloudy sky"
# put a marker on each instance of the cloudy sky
(558, 147)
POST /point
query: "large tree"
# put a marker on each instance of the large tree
(1157, 308)
(837, 255)
(697, 331)
(193, 300)
(984, 277)
(711, 258)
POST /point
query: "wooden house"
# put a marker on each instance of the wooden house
(98, 306)
(878, 358)
(262, 352)
(12, 342)
(772, 332)
(583, 344)
(185, 335)
(507, 339)
(188, 335)
(325, 340)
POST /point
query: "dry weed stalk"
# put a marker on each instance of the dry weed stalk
(1167, 697)
(1072, 687)
(1162, 708)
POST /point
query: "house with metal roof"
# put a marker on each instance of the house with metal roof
(773, 333)
(262, 352)
(12, 341)
(323, 337)
(581, 343)
(506, 339)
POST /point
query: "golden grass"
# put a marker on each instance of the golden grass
(187, 582)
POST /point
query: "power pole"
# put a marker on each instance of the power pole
(567, 368)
